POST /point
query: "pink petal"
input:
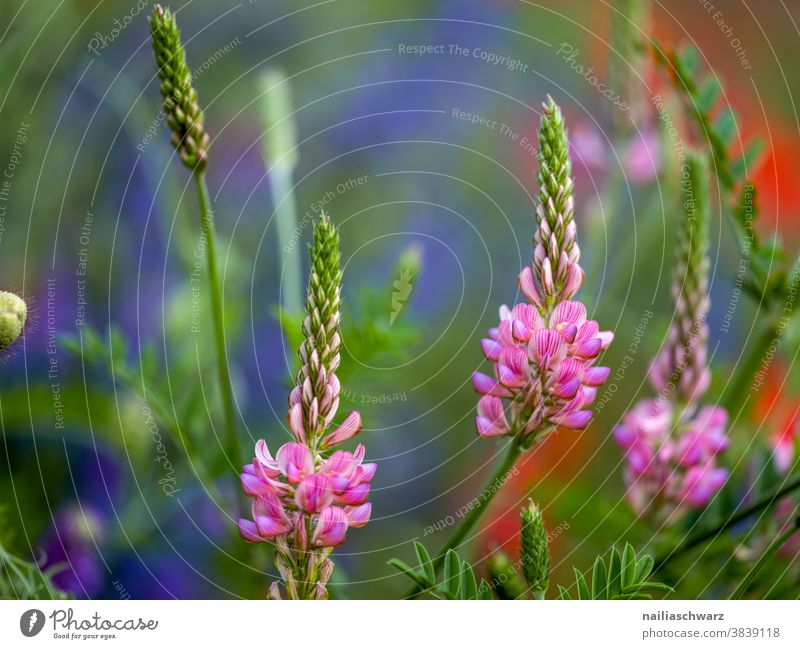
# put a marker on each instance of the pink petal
(331, 528)
(487, 385)
(358, 516)
(350, 427)
(596, 376)
(355, 495)
(314, 493)
(249, 531)
(568, 312)
(528, 286)
(576, 420)
(491, 349)
(296, 422)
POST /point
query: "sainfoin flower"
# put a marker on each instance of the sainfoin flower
(544, 350)
(671, 443)
(306, 497)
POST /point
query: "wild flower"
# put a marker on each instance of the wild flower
(544, 350)
(13, 314)
(671, 443)
(306, 497)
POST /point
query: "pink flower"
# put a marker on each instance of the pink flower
(544, 366)
(330, 528)
(314, 493)
(782, 444)
(671, 465)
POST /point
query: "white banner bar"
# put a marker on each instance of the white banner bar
(266, 624)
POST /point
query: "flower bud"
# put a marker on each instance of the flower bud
(13, 313)
(535, 554)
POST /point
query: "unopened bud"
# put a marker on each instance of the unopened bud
(13, 313)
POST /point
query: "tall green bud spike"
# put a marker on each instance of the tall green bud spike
(684, 359)
(13, 313)
(319, 352)
(184, 117)
(556, 253)
(534, 551)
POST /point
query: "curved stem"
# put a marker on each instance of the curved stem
(765, 558)
(226, 389)
(474, 514)
(764, 502)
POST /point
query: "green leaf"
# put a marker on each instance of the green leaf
(690, 59)
(628, 565)
(452, 567)
(644, 567)
(484, 590)
(468, 587)
(725, 126)
(708, 94)
(425, 561)
(615, 572)
(403, 567)
(599, 579)
(580, 581)
(624, 577)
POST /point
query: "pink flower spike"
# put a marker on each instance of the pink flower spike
(358, 516)
(350, 427)
(314, 493)
(331, 528)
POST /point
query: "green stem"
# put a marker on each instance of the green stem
(233, 447)
(474, 514)
(766, 557)
(763, 503)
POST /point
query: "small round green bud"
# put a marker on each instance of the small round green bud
(13, 313)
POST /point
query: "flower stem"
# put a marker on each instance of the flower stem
(766, 557)
(234, 450)
(763, 503)
(474, 514)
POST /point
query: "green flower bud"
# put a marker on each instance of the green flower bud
(505, 580)
(13, 313)
(535, 554)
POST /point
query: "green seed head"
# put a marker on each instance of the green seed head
(534, 550)
(13, 313)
